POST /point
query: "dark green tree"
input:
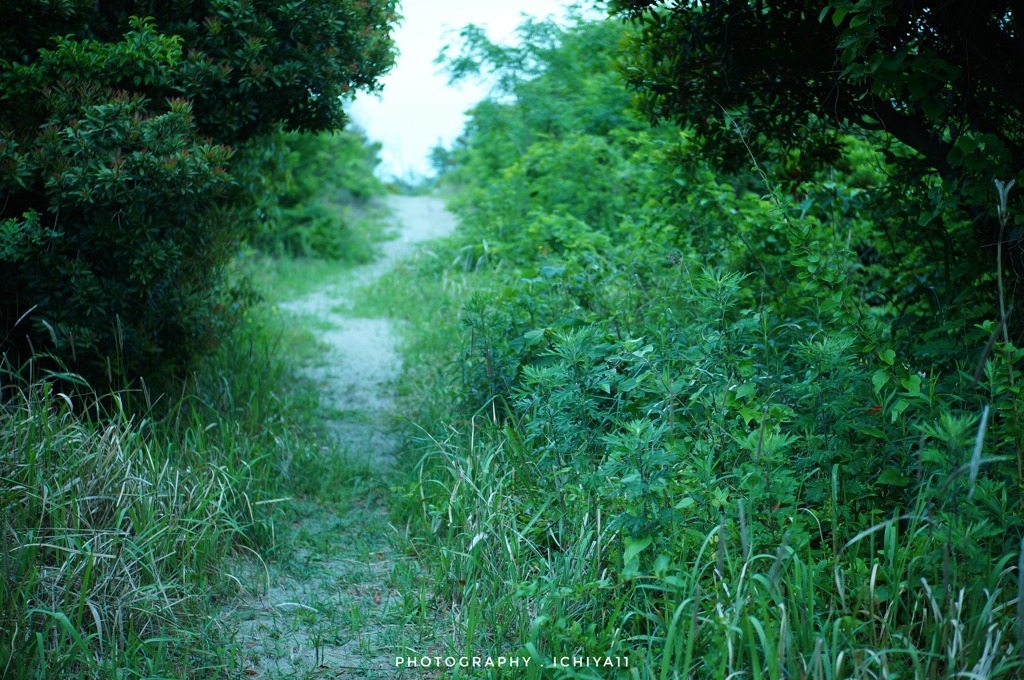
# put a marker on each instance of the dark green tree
(118, 123)
(939, 84)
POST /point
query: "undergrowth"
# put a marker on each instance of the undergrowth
(124, 514)
(697, 421)
(120, 514)
(314, 195)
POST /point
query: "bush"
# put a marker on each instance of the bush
(313, 185)
(711, 429)
(116, 137)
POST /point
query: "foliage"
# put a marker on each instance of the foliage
(591, 99)
(116, 138)
(246, 66)
(687, 421)
(931, 83)
(310, 185)
(117, 528)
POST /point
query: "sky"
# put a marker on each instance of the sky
(418, 109)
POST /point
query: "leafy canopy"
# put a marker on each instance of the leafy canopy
(937, 83)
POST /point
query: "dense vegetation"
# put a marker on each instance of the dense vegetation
(721, 373)
(312, 189)
(150, 422)
(122, 128)
(125, 514)
(942, 81)
(121, 510)
(722, 404)
(117, 528)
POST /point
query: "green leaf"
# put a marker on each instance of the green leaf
(893, 477)
(748, 414)
(634, 547)
(887, 356)
(932, 107)
(745, 390)
(838, 17)
(551, 272)
(685, 503)
(899, 408)
(912, 384)
(859, 20)
(534, 337)
(924, 218)
(955, 157)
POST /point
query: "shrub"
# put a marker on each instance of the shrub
(313, 185)
(116, 137)
(715, 430)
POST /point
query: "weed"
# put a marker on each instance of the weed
(117, 523)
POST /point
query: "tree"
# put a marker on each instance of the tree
(118, 205)
(942, 79)
(557, 82)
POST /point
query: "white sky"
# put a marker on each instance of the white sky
(418, 107)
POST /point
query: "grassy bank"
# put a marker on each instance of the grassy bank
(126, 516)
(119, 515)
(559, 520)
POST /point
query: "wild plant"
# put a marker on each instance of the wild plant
(119, 514)
(736, 426)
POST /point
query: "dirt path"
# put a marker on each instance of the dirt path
(363, 350)
(345, 603)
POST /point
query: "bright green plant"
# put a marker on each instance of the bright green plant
(703, 418)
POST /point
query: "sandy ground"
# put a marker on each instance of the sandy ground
(331, 613)
(363, 358)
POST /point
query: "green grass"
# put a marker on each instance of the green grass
(336, 552)
(426, 296)
(132, 523)
(285, 278)
(124, 515)
(280, 279)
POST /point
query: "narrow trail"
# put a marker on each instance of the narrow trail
(363, 357)
(339, 606)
